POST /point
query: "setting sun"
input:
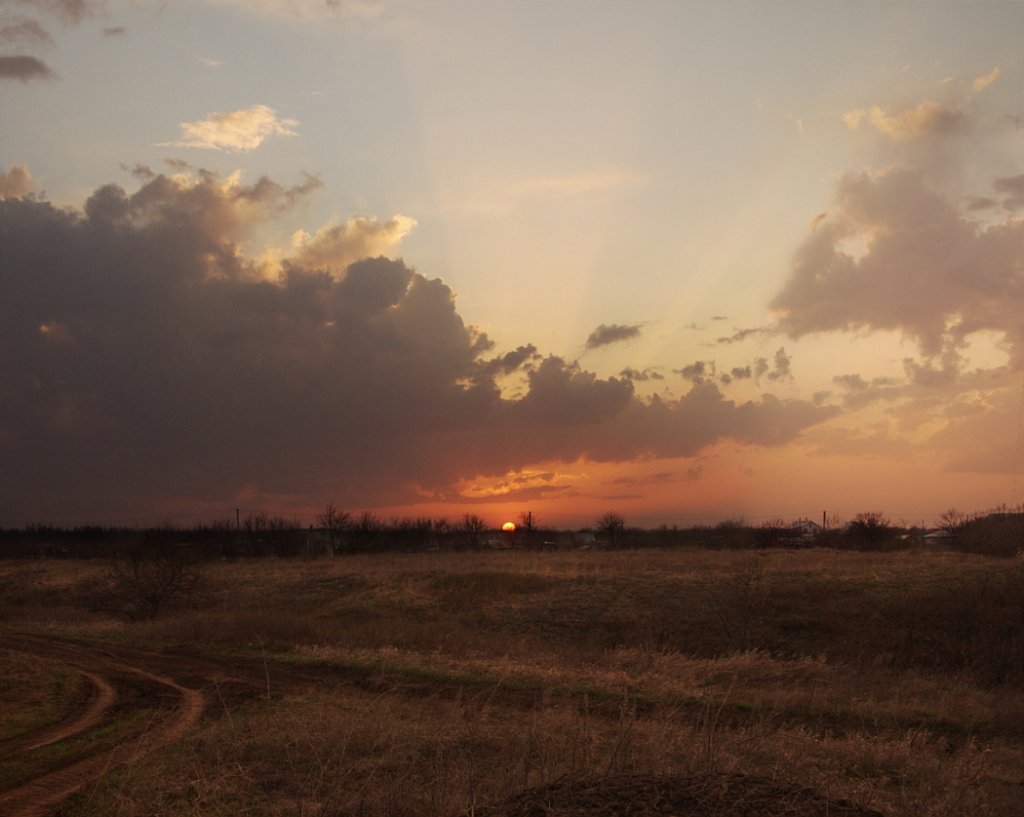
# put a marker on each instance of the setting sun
(509, 527)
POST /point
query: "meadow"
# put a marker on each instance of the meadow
(450, 683)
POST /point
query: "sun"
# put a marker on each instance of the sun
(509, 527)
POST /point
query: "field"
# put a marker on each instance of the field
(518, 683)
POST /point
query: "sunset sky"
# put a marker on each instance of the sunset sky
(683, 261)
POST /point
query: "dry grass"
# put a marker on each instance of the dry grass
(885, 680)
(34, 693)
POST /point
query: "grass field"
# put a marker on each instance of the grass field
(448, 682)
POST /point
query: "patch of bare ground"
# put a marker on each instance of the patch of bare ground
(90, 714)
(45, 789)
(644, 795)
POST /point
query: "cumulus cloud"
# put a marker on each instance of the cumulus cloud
(928, 271)
(242, 130)
(146, 358)
(16, 182)
(698, 371)
(335, 246)
(607, 334)
(24, 68)
(927, 119)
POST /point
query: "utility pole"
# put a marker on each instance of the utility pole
(238, 524)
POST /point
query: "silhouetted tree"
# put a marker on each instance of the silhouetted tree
(334, 522)
(611, 525)
(871, 530)
(472, 527)
(144, 578)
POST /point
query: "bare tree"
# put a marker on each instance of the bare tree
(611, 525)
(472, 527)
(953, 522)
(335, 522)
(142, 580)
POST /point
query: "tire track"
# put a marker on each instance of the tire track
(37, 797)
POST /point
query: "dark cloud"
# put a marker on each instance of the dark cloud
(24, 68)
(741, 372)
(71, 11)
(698, 371)
(861, 392)
(928, 271)
(23, 30)
(782, 366)
(1013, 187)
(975, 203)
(743, 334)
(147, 359)
(611, 333)
(641, 375)
(509, 362)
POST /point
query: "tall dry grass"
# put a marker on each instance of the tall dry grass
(889, 679)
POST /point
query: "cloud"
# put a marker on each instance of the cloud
(351, 10)
(24, 68)
(981, 83)
(72, 11)
(16, 182)
(24, 30)
(1013, 188)
(781, 366)
(334, 246)
(927, 119)
(148, 360)
(743, 334)
(641, 375)
(607, 334)
(698, 371)
(861, 393)
(115, 31)
(241, 130)
(873, 442)
(927, 271)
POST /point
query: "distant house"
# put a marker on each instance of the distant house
(495, 542)
(803, 532)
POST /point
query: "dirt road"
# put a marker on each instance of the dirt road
(129, 679)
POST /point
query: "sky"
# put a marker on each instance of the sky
(683, 261)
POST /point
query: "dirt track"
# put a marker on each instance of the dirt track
(113, 676)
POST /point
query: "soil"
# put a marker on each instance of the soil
(119, 682)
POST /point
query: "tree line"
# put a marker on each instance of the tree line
(335, 531)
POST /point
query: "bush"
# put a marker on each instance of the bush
(143, 580)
